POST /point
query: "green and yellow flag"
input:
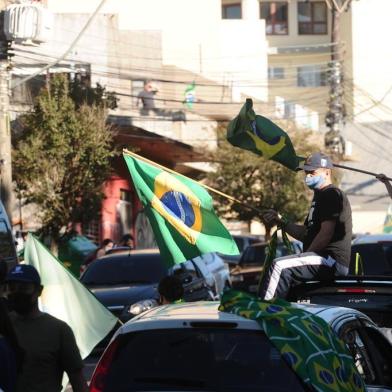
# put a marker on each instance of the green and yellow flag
(261, 136)
(180, 212)
(305, 341)
(388, 221)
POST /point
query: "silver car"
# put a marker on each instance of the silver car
(195, 347)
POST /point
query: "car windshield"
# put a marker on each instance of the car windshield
(376, 258)
(199, 360)
(123, 269)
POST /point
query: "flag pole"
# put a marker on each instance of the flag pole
(231, 198)
(359, 171)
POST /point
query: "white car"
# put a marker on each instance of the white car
(195, 347)
(215, 270)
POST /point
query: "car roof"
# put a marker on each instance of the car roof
(185, 314)
(372, 239)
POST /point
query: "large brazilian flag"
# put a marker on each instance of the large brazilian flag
(260, 135)
(305, 341)
(180, 212)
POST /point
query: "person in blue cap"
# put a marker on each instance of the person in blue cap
(326, 234)
(49, 344)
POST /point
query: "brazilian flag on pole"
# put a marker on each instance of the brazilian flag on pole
(180, 212)
(261, 136)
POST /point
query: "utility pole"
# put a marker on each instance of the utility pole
(335, 117)
(5, 129)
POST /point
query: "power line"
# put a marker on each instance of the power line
(62, 57)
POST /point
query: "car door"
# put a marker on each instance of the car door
(371, 351)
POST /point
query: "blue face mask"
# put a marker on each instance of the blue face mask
(314, 182)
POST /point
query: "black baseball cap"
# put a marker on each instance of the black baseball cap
(23, 273)
(316, 161)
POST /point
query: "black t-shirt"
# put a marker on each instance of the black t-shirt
(330, 203)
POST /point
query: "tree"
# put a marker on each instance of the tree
(62, 158)
(260, 183)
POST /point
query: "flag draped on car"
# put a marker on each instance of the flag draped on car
(260, 135)
(67, 299)
(306, 342)
(180, 212)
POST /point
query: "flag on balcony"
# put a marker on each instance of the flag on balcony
(190, 95)
(258, 134)
(180, 212)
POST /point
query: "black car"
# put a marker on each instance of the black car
(368, 288)
(245, 275)
(121, 279)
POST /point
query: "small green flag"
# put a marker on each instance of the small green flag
(388, 221)
(261, 136)
(67, 299)
(180, 212)
(190, 95)
(305, 341)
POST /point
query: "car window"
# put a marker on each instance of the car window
(129, 268)
(199, 359)
(371, 353)
(376, 258)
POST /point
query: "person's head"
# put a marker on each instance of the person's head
(317, 167)
(127, 240)
(170, 290)
(23, 289)
(107, 244)
(148, 85)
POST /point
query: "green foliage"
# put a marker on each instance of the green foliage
(260, 183)
(82, 94)
(62, 158)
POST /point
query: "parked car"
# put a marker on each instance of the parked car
(246, 274)
(195, 347)
(123, 278)
(370, 295)
(376, 255)
(215, 270)
(369, 292)
(242, 241)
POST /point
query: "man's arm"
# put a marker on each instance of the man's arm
(272, 217)
(77, 381)
(296, 231)
(323, 237)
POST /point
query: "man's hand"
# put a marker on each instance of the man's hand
(272, 218)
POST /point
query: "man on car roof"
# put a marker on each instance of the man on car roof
(326, 234)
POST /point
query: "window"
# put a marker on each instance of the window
(312, 18)
(275, 73)
(311, 76)
(26, 92)
(276, 17)
(215, 359)
(231, 11)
